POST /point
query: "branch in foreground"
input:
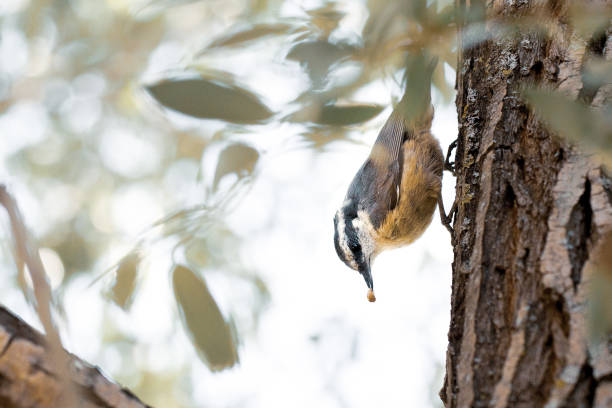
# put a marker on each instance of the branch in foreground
(28, 378)
(26, 253)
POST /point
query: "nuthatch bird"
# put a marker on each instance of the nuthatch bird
(392, 198)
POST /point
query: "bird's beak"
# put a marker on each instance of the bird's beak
(367, 276)
(364, 270)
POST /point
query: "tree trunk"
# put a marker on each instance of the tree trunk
(28, 378)
(531, 213)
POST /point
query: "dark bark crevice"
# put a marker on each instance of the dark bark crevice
(530, 385)
(579, 232)
(607, 186)
(583, 394)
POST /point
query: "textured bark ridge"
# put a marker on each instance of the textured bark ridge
(28, 380)
(531, 213)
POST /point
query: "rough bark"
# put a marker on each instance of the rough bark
(531, 213)
(28, 378)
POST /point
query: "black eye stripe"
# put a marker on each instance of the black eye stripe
(350, 211)
(351, 238)
(353, 242)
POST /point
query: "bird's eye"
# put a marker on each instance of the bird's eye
(354, 246)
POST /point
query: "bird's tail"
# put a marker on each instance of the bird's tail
(416, 101)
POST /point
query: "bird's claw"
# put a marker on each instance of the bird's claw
(448, 165)
(447, 220)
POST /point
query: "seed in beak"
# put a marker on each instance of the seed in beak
(371, 296)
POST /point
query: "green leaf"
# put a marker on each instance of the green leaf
(238, 159)
(587, 19)
(255, 32)
(337, 115)
(125, 281)
(573, 120)
(439, 81)
(317, 56)
(342, 115)
(597, 72)
(318, 139)
(210, 333)
(210, 99)
(308, 52)
(417, 93)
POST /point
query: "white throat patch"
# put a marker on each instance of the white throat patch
(367, 234)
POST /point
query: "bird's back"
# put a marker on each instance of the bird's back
(422, 164)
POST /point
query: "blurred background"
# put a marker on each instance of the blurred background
(179, 164)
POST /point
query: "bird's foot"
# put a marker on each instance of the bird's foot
(448, 165)
(447, 220)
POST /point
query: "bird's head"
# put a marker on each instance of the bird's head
(355, 242)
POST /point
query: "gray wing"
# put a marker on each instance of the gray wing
(390, 138)
(375, 187)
